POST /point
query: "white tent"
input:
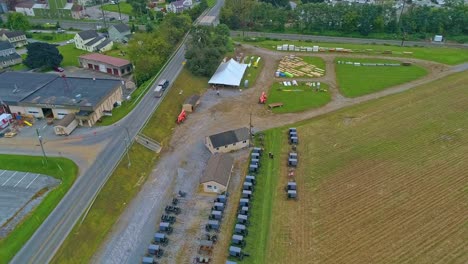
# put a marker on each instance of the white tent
(229, 73)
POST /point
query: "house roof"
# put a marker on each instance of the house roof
(12, 56)
(94, 40)
(5, 45)
(192, 100)
(12, 34)
(117, 62)
(103, 44)
(25, 4)
(229, 73)
(15, 86)
(229, 137)
(178, 4)
(122, 28)
(73, 91)
(88, 34)
(218, 169)
(66, 120)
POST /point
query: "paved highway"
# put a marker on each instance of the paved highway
(51, 234)
(341, 39)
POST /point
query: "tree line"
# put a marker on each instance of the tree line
(363, 19)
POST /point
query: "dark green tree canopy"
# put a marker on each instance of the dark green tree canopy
(42, 55)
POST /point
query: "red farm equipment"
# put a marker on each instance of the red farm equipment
(262, 98)
(182, 116)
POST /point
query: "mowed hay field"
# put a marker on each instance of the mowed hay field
(382, 182)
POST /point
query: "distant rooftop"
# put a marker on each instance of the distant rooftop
(117, 62)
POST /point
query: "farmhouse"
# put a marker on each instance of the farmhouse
(8, 55)
(120, 33)
(89, 40)
(179, 6)
(107, 64)
(217, 173)
(49, 95)
(191, 103)
(228, 141)
(228, 74)
(16, 38)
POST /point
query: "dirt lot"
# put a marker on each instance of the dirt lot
(186, 152)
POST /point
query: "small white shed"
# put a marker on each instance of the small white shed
(66, 125)
(438, 38)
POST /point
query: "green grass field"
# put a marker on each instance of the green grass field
(451, 56)
(23, 231)
(296, 101)
(52, 37)
(118, 51)
(70, 55)
(21, 66)
(251, 73)
(125, 8)
(316, 61)
(379, 171)
(125, 182)
(359, 80)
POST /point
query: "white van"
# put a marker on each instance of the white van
(158, 91)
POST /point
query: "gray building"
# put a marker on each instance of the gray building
(228, 141)
(16, 38)
(120, 33)
(8, 55)
(48, 95)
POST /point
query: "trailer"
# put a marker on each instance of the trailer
(216, 215)
(244, 202)
(250, 178)
(161, 239)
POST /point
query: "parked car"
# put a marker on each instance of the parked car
(70, 41)
(59, 69)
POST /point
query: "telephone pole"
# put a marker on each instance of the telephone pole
(127, 147)
(250, 130)
(39, 137)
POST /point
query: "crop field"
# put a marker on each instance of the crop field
(359, 80)
(451, 56)
(381, 182)
(298, 98)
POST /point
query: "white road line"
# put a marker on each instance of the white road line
(21, 179)
(9, 178)
(3, 172)
(32, 181)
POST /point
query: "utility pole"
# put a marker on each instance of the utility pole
(403, 33)
(118, 6)
(250, 130)
(128, 148)
(103, 15)
(39, 137)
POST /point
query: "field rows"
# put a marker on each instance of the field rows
(383, 182)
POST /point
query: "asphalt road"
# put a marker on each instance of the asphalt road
(342, 39)
(50, 235)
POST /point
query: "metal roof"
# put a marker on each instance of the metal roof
(229, 137)
(15, 86)
(5, 45)
(103, 44)
(218, 169)
(94, 40)
(117, 62)
(229, 73)
(88, 34)
(122, 28)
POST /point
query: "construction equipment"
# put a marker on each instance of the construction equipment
(165, 227)
(168, 218)
(213, 225)
(238, 240)
(172, 209)
(161, 239)
(263, 98)
(155, 250)
(182, 116)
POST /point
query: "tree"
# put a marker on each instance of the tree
(18, 21)
(42, 55)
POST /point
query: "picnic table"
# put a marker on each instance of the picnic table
(274, 105)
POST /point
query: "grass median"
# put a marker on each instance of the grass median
(60, 168)
(85, 239)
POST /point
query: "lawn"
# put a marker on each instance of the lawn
(21, 66)
(379, 182)
(297, 98)
(125, 8)
(118, 51)
(52, 37)
(252, 72)
(60, 168)
(70, 55)
(359, 80)
(451, 56)
(124, 183)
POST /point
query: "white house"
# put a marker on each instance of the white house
(90, 41)
(25, 8)
(179, 6)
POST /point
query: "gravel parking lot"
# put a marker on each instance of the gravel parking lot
(18, 188)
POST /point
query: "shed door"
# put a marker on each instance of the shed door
(90, 66)
(116, 72)
(109, 70)
(96, 67)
